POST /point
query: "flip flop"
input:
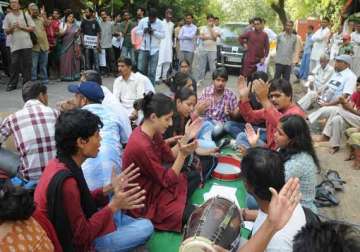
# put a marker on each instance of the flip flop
(334, 177)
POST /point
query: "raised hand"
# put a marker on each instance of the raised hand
(123, 180)
(283, 204)
(202, 106)
(243, 88)
(193, 128)
(252, 136)
(131, 199)
(261, 90)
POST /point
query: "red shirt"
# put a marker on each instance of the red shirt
(51, 31)
(84, 230)
(271, 116)
(165, 191)
(355, 98)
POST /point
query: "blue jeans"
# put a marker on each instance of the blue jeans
(234, 128)
(237, 131)
(39, 62)
(129, 234)
(127, 52)
(241, 139)
(251, 202)
(204, 136)
(147, 64)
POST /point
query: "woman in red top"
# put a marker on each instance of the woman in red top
(167, 188)
(63, 196)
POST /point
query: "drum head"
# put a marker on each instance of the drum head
(197, 244)
(228, 169)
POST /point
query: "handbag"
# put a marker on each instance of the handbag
(33, 37)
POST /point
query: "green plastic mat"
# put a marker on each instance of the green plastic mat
(170, 241)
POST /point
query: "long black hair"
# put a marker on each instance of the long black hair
(297, 130)
(159, 104)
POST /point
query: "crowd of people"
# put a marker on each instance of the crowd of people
(110, 166)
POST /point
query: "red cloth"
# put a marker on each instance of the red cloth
(84, 230)
(51, 31)
(355, 98)
(271, 116)
(257, 48)
(165, 191)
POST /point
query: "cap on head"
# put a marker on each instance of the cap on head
(89, 89)
(344, 58)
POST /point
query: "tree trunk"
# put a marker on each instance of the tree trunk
(279, 8)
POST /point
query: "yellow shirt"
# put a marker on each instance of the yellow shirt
(42, 41)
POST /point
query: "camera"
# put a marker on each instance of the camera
(148, 29)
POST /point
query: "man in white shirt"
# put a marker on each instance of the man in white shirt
(341, 84)
(261, 169)
(129, 87)
(166, 47)
(355, 39)
(316, 82)
(187, 36)
(152, 31)
(320, 38)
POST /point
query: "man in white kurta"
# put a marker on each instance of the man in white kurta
(355, 40)
(320, 38)
(166, 47)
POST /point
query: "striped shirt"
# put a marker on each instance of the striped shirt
(33, 128)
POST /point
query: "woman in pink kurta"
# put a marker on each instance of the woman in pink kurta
(167, 187)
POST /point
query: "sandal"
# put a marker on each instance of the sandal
(325, 193)
(334, 177)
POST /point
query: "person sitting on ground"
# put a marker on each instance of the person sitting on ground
(168, 188)
(262, 168)
(237, 128)
(128, 87)
(181, 80)
(346, 47)
(98, 171)
(293, 141)
(316, 82)
(64, 197)
(276, 100)
(216, 105)
(18, 221)
(341, 84)
(345, 115)
(353, 144)
(33, 129)
(185, 68)
(328, 236)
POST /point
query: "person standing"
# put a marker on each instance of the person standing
(187, 37)
(116, 41)
(257, 44)
(320, 38)
(305, 60)
(152, 31)
(70, 49)
(125, 29)
(19, 24)
(54, 44)
(4, 53)
(90, 37)
(285, 49)
(40, 50)
(107, 29)
(355, 39)
(208, 35)
(140, 13)
(166, 47)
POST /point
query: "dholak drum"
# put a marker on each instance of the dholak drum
(218, 221)
(227, 169)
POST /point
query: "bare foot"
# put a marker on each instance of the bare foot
(333, 150)
(320, 138)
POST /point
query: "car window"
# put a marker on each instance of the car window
(230, 33)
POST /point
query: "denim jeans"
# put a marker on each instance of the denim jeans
(147, 64)
(204, 136)
(91, 59)
(127, 52)
(251, 202)
(234, 128)
(241, 139)
(237, 131)
(40, 62)
(129, 234)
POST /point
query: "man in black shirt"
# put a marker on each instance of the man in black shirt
(90, 40)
